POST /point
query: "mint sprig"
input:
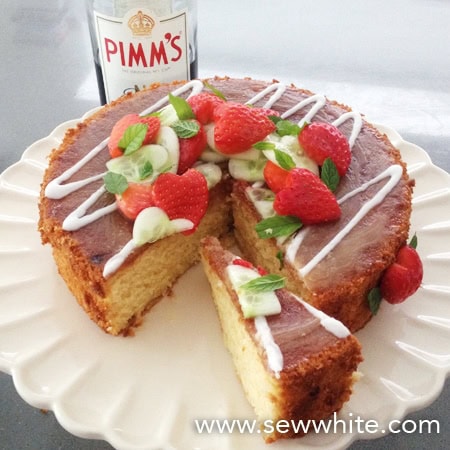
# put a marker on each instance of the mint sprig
(186, 128)
(182, 107)
(277, 226)
(265, 283)
(285, 127)
(374, 298)
(264, 145)
(329, 174)
(284, 160)
(145, 170)
(133, 138)
(115, 183)
(215, 91)
(413, 242)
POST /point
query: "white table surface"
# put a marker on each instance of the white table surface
(387, 59)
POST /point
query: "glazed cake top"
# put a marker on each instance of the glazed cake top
(376, 182)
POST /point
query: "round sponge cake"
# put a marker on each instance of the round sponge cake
(332, 266)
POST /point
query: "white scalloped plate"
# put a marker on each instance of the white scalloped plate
(146, 391)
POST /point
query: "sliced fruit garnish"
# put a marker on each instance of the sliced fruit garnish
(134, 199)
(253, 302)
(182, 196)
(153, 224)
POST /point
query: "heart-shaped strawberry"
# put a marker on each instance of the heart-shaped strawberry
(307, 197)
(182, 196)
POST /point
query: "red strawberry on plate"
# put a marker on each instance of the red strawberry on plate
(323, 140)
(238, 127)
(190, 149)
(203, 106)
(153, 125)
(403, 277)
(134, 199)
(307, 197)
(182, 196)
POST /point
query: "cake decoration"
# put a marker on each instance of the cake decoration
(289, 151)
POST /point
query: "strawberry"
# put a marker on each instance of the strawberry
(191, 149)
(275, 176)
(323, 140)
(403, 277)
(307, 197)
(238, 127)
(243, 263)
(126, 121)
(249, 265)
(134, 199)
(182, 196)
(203, 106)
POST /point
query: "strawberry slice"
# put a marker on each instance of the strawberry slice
(134, 199)
(307, 197)
(153, 123)
(203, 106)
(191, 149)
(275, 176)
(403, 277)
(238, 127)
(182, 196)
(323, 140)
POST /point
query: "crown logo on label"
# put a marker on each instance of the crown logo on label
(141, 24)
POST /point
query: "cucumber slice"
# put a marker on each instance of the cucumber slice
(247, 170)
(211, 172)
(132, 167)
(291, 146)
(253, 304)
(169, 139)
(167, 115)
(153, 224)
(211, 154)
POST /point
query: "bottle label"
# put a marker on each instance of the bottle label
(141, 48)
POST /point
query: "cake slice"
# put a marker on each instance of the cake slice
(295, 363)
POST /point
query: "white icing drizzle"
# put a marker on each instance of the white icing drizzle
(195, 86)
(279, 91)
(357, 124)
(295, 243)
(332, 325)
(78, 218)
(118, 259)
(319, 102)
(394, 173)
(273, 352)
(56, 190)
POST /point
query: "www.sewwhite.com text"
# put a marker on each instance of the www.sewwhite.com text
(333, 425)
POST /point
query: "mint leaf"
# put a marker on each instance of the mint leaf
(329, 174)
(280, 257)
(186, 128)
(374, 298)
(264, 145)
(214, 90)
(265, 283)
(133, 138)
(182, 107)
(276, 226)
(146, 170)
(115, 183)
(284, 160)
(285, 127)
(413, 243)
